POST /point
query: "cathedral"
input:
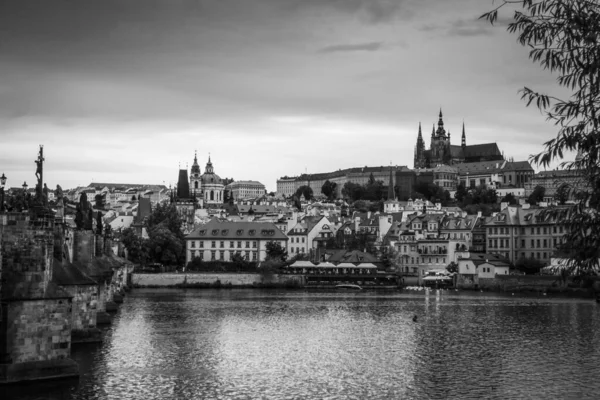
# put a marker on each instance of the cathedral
(442, 152)
(204, 188)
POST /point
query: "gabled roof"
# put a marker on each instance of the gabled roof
(482, 150)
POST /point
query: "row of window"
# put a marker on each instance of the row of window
(298, 249)
(533, 230)
(423, 260)
(297, 239)
(535, 243)
(222, 254)
(213, 244)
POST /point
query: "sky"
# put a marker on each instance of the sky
(126, 91)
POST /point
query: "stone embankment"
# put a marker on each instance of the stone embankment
(57, 286)
(211, 280)
(531, 283)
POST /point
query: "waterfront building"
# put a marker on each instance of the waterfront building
(220, 240)
(473, 267)
(517, 232)
(308, 234)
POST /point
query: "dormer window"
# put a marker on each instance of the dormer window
(239, 232)
(224, 232)
(215, 232)
(202, 232)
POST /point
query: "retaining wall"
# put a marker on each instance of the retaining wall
(174, 279)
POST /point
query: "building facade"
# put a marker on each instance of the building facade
(219, 241)
(246, 189)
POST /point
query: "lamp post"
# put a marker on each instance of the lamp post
(2, 183)
(25, 186)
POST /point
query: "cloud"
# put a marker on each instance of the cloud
(371, 46)
(461, 27)
(369, 11)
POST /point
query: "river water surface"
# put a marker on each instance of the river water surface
(253, 344)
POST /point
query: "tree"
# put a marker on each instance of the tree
(275, 251)
(352, 191)
(305, 191)
(328, 189)
(137, 249)
(99, 201)
(164, 246)
(510, 199)
(562, 36)
(529, 265)
(452, 267)
(99, 223)
(461, 193)
(562, 193)
(537, 195)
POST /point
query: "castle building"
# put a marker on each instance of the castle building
(442, 152)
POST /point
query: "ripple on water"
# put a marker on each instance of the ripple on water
(243, 344)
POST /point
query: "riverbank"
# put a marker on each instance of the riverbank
(216, 280)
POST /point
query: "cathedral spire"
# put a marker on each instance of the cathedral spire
(441, 132)
(391, 185)
(463, 141)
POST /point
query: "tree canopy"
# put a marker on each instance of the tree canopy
(328, 189)
(562, 36)
(305, 191)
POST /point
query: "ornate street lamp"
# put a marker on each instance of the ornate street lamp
(2, 183)
(25, 186)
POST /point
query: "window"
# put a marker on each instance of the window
(201, 255)
(544, 255)
(538, 256)
(545, 243)
(538, 243)
(291, 249)
(545, 230)
(254, 256)
(222, 244)
(222, 254)
(538, 230)
(533, 231)
(239, 245)
(212, 255)
(523, 243)
(193, 244)
(532, 243)
(247, 245)
(254, 244)
(213, 244)
(202, 244)
(247, 256)
(554, 229)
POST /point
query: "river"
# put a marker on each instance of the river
(255, 344)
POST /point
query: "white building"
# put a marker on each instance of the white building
(246, 189)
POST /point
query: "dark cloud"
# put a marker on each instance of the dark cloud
(371, 46)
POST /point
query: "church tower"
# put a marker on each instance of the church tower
(419, 161)
(440, 144)
(195, 181)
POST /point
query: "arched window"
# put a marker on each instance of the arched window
(212, 195)
(196, 185)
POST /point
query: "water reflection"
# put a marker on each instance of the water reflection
(188, 344)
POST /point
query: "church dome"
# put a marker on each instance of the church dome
(209, 176)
